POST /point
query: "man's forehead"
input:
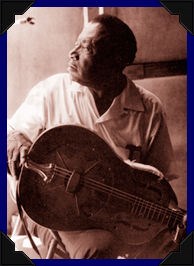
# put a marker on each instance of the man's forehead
(92, 31)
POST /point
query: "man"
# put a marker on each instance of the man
(97, 95)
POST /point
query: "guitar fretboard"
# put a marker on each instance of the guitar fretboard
(141, 207)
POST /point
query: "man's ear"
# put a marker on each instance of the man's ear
(119, 63)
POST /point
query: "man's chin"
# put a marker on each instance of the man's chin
(76, 78)
(72, 75)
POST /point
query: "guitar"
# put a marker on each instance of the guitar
(72, 180)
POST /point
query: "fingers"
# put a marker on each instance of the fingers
(23, 154)
(13, 168)
(16, 159)
(12, 161)
(17, 148)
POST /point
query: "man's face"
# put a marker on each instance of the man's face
(88, 62)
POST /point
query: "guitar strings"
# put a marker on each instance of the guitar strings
(126, 196)
(167, 213)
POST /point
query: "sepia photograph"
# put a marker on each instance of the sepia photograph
(97, 132)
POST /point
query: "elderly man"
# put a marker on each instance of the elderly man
(97, 95)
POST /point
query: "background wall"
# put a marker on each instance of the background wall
(172, 92)
(40, 50)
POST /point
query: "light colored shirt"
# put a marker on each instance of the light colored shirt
(134, 125)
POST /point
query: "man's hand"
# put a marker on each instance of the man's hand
(17, 148)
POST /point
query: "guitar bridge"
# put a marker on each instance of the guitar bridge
(73, 182)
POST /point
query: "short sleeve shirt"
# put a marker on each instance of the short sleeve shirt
(134, 125)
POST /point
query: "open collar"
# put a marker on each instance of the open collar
(129, 99)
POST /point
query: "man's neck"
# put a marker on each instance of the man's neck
(105, 93)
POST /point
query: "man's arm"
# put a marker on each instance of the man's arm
(160, 153)
(24, 127)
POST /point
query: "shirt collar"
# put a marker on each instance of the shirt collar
(129, 99)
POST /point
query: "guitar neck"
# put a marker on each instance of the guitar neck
(157, 213)
(149, 210)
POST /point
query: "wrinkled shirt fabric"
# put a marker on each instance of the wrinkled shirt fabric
(134, 125)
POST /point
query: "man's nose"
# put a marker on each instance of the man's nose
(74, 54)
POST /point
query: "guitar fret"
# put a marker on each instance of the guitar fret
(175, 221)
(149, 211)
(163, 218)
(137, 207)
(155, 215)
(152, 211)
(133, 206)
(146, 211)
(140, 211)
(152, 217)
(166, 218)
(136, 210)
(158, 216)
(169, 219)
